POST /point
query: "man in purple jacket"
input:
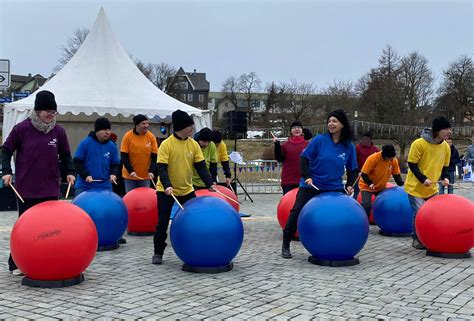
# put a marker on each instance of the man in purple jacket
(37, 141)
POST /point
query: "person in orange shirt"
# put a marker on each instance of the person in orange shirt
(139, 152)
(375, 174)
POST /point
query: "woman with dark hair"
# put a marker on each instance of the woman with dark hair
(323, 164)
(289, 154)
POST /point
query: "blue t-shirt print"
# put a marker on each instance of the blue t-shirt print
(328, 162)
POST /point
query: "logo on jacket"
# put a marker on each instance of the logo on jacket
(107, 155)
(342, 156)
(53, 142)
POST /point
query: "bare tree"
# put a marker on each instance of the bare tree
(161, 73)
(72, 46)
(271, 101)
(145, 68)
(341, 94)
(230, 88)
(249, 85)
(417, 79)
(295, 100)
(456, 90)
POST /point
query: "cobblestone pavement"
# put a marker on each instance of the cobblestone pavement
(393, 280)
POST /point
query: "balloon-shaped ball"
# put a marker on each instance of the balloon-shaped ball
(108, 212)
(53, 241)
(284, 207)
(207, 233)
(227, 192)
(445, 224)
(393, 213)
(333, 227)
(142, 206)
(206, 192)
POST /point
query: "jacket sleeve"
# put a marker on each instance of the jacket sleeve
(351, 177)
(203, 173)
(398, 179)
(6, 161)
(66, 160)
(126, 162)
(163, 175)
(416, 171)
(226, 168)
(152, 168)
(304, 166)
(80, 168)
(366, 178)
(278, 152)
(213, 171)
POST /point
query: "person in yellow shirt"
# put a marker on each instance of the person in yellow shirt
(138, 151)
(209, 151)
(178, 156)
(428, 160)
(222, 155)
(375, 173)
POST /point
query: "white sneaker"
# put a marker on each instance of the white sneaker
(17, 272)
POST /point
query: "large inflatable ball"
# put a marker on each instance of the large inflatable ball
(359, 199)
(393, 213)
(52, 243)
(333, 227)
(284, 207)
(207, 235)
(142, 209)
(227, 192)
(109, 214)
(445, 225)
(206, 192)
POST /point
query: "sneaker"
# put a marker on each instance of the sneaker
(17, 272)
(418, 245)
(285, 251)
(122, 241)
(157, 259)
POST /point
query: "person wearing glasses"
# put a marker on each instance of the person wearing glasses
(37, 141)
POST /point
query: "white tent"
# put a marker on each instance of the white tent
(102, 79)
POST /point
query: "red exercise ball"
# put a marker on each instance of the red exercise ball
(142, 206)
(53, 241)
(206, 192)
(227, 192)
(284, 207)
(445, 224)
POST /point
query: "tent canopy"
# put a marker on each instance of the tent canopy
(102, 79)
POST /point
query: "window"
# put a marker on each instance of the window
(201, 98)
(190, 97)
(183, 97)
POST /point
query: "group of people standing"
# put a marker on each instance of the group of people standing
(319, 166)
(182, 166)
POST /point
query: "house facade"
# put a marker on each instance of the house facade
(191, 88)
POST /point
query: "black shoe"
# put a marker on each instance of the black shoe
(157, 259)
(122, 241)
(285, 251)
(418, 245)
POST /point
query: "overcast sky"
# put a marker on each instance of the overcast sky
(310, 41)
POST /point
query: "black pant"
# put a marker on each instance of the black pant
(367, 201)
(287, 188)
(22, 207)
(165, 204)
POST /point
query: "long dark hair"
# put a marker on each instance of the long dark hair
(347, 135)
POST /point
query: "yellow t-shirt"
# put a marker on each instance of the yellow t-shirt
(430, 158)
(210, 155)
(180, 155)
(139, 149)
(379, 171)
(222, 152)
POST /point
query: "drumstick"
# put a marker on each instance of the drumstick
(358, 177)
(177, 202)
(68, 189)
(314, 186)
(153, 182)
(139, 177)
(113, 180)
(97, 180)
(16, 192)
(273, 134)
(229, 198)
(230, 185)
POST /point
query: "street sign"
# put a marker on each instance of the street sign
(4, 73)
(5, 100)
(21, 95)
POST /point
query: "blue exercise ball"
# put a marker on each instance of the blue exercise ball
(108, 212)
(333, 227)
(208, 232)
(392, 211)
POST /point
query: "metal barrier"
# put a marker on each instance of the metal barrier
(257, 176)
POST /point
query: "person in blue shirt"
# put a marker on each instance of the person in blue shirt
(96, 160)
(323, 164)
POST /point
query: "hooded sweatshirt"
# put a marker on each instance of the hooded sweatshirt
(429, 158)
(470, 154)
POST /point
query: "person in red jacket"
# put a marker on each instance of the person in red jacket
(289, 154)
(363, 150)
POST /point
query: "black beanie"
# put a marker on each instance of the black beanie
(388, 151)
(205, 135)
(216, 136)
(440, 123)
(181, 120)
(296, 123)
(138, 119)
(45, 101)
(340, 115)
(102, 123)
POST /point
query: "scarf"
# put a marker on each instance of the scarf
(40, 125)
